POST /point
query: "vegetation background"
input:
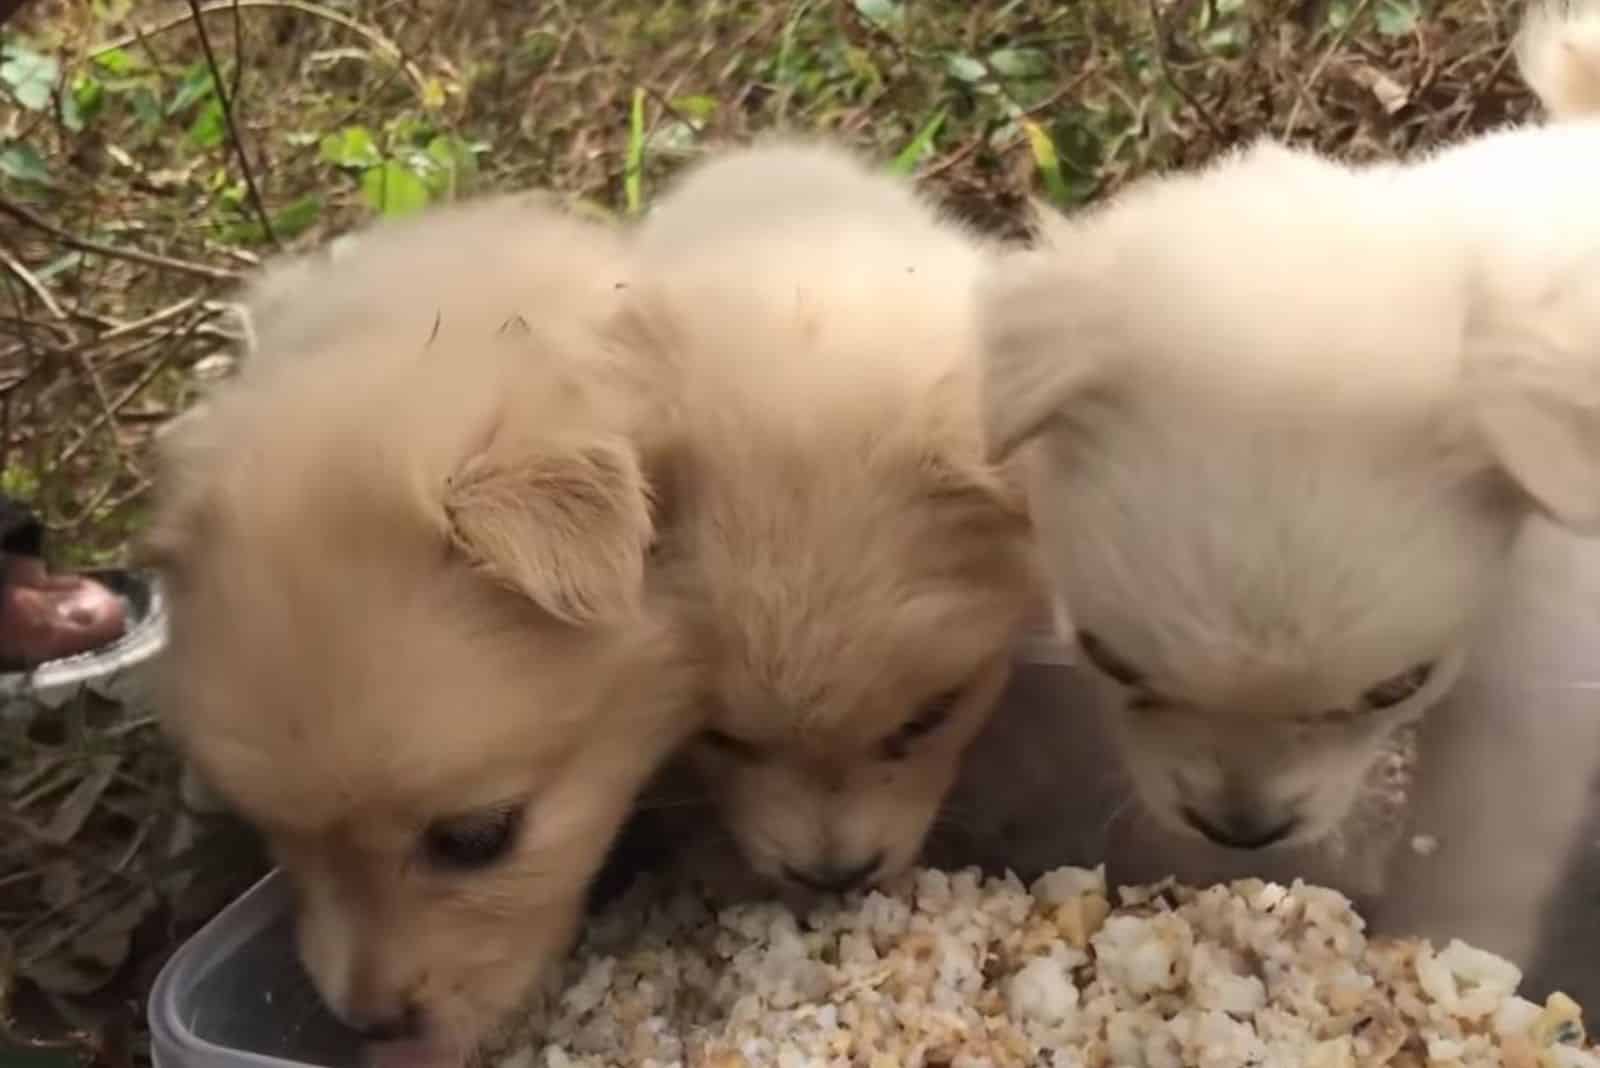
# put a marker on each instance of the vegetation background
(151, 155)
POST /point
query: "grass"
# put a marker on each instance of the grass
(145, 167)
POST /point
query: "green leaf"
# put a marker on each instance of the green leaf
(196, 86)
(80, 107)
(393, 190)
(209, 126)
(1397, 18)
(298, 216)
(964, 68)
(695, 108)
(351, 147)
(537, 48)
(117, 61)
(455, 163)
(23, 163)
(1019, 62)
(31, 76)
(1046, 159)
(884, 14)
(914, 153)
(633, 168)
(146, 108)
(289, 222)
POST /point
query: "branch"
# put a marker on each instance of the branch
(133, 255)
(373, 37)
(227, 117)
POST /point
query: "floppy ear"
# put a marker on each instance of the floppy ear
(1040, 349)
(565, 523)
(182, 493)
(1534, 386)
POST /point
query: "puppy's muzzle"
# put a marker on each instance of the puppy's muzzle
(1242, 830)
(836, 878)
(409, 1022)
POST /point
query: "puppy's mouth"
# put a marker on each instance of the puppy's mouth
(1244, 835)
(412, 1053)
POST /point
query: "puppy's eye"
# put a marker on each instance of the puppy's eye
(929, 717)
(1107, 662)
(1401, 687)
(727, 743)
(476, 840)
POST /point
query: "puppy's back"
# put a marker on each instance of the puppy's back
(485, 261)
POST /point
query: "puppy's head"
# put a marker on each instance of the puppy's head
(408, 641)
(860, 621)
(856, 567)
(1276, 458)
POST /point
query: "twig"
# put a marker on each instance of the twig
(9, 8)
(123, 399)
(132, 255)
(238, 54)
(1159, 27)
(375, 38)
(227, 118)
(1485, 87)
(40, 292)
(1328, 53)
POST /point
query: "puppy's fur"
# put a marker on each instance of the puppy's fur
(1283, 418)
(410, 636)
(854, 567)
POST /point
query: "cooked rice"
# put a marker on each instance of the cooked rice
(954, 970)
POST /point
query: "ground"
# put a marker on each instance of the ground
(152, 154)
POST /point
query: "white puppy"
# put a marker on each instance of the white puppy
(1284, 418)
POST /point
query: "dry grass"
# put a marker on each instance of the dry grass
(131, 199)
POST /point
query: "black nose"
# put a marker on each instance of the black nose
(833, 879)
(407, 1024)
(1241, 831)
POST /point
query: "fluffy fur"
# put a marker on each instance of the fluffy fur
(853, 567)
(1282, 419)
(405, 551)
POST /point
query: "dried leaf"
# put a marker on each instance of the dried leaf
(80, 804)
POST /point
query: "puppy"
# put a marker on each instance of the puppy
(410, 635)
(851, 565)
(1281, 420)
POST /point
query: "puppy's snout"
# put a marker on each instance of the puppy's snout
(406, 1022)
(1250, 829)
(836, 878)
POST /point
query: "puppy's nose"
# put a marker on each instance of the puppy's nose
(1241, 830)
(408, 1023)
(833, 878)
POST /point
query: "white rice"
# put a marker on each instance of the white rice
(953, 971)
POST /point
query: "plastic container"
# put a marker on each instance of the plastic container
(234, 996)
(1504, 849)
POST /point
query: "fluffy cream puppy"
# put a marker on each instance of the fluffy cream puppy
(1282, 419)
(410, 634)
(852, 566)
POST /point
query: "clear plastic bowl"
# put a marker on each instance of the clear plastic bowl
(1504, 853)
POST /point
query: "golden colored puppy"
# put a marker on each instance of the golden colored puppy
(854, 568)
(410, 638)
(1283, 419)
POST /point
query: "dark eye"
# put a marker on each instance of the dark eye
(930, 716)
(727, 743)
(1392, 691)
(1107, 662)
(477, 840)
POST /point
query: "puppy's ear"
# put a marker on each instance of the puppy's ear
(1533, 378)
(565, 523)
(1041, 352)
(182, 494)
